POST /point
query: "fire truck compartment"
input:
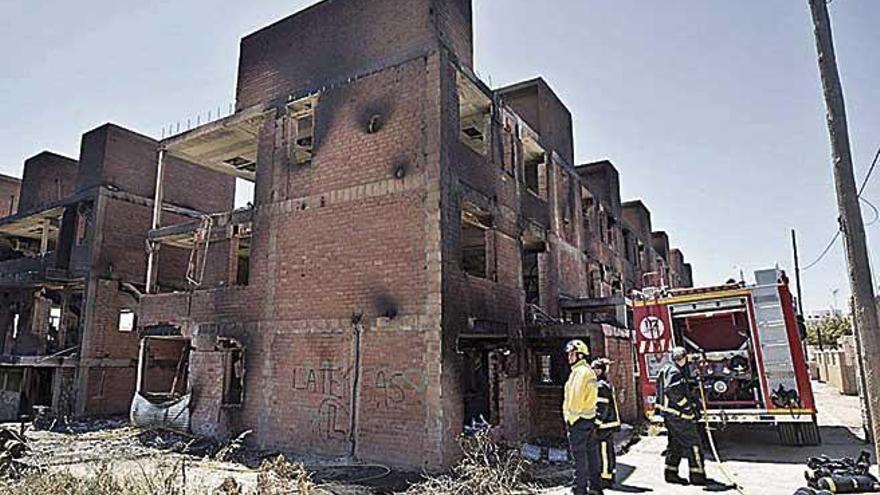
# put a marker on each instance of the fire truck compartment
(719, 339)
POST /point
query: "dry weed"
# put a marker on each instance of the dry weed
(276, 477)
(279, 477)
(487, 468)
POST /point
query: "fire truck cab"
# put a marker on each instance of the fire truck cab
(744, 351)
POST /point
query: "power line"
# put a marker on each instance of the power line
(837, 234)
(823, 253)
(874, 208)
(870, 171)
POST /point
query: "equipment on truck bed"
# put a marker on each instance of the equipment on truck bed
(744, 348)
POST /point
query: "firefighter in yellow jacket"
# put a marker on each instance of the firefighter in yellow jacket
(607, 421)
(579, 411)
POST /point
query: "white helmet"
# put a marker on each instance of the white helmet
(678, 353)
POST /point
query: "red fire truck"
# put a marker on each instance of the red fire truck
(744, 349)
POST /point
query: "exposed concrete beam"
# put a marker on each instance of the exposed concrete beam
(181, 235)
(217, 144)
(220, 167)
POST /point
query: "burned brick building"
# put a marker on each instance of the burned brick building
(72, 267)
(10, 190)
(418, 249)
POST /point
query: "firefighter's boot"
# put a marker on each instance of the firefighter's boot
(699, 479)
(674, 478)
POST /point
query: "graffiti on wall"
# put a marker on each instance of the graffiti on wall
(326, 379)
(394, 387)
(386, 388)
(330, 383)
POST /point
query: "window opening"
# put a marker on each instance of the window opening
(610, 224)
(551, 367)
(82, 224)
(475, 115)
(545, 368)
(535, 164)
(126, 320)
(628, 246)
(531, 277)
(243, 255)
(476, 388)
(165, 368)
(474, 248)
(12, 380)
(54, 319)
(244, 193)
(301, 130)
(233, 373)
(587, 209)
(510, 152)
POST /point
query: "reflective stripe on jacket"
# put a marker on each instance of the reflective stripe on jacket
(673, 393)
(607, 413)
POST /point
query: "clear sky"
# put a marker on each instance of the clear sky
(710, 109)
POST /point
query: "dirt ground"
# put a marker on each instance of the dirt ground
(128, 451)
(753, 456)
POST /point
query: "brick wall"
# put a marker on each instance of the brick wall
(637, 215)
(208, 417)
(122, 244)
(660, 242)
(340, 237)
(47, 178)
(602, 179)
(10, 191)
(109, 391)
(112, 155)
(111, 354)
(334, 40)
(454, 21)
(543, 111)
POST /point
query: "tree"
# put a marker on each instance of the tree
(830, 328)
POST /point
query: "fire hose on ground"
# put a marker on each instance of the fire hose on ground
(727, 475)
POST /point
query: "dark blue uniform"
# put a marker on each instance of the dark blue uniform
(608, 423)
(677, 405)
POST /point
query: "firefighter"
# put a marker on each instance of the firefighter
(607, 421)
(579, 411)
(677, 404)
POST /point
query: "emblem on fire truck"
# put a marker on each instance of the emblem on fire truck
(652, 328)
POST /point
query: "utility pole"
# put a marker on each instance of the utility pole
(797, 272)
(863, 387)
(861, 282)
(802, 325)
